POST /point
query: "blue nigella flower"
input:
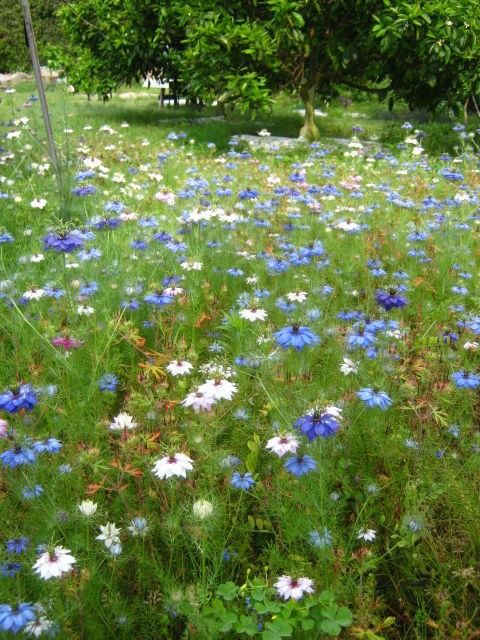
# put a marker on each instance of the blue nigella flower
(296, 337)
(158, 298)
(321, 539)
(17, 545)
(390, 299)
(29, 493)
(242, 482)
(63, 243)
(14, 619)
(17, 456)
(22, 398)
(108, 382)
(317, 425)
(300, 465)
(464, 380)
(10, 569)
(374, 398)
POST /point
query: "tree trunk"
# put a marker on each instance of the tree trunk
(309, 130)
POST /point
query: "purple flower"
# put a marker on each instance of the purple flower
(17, 545)
(317, 425)
(63, 243)
(300, 465)
(390, 299)
(296, 337)
(21, 398)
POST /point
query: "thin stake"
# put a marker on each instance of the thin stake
(41, 90)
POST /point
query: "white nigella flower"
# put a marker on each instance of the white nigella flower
(40, 626)
(253, 314)
(169, 466)
(37, 257)
(199, 401)
(38, 203)
(109, 535)
(85, 310)
(471, 346)
(297, 296)
(280, 445)
(288, 587)
(54, 564)
(87, 508)
(179, 367)
(34, 294)
(123, 422)
(348, 367)
(192, 265)
(368, 535)
(218, 389)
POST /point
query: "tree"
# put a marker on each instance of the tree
(14, 53)
(243, 51)
(432, 51)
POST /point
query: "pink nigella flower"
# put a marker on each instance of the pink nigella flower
(199, 401)
(67, 343)
(288, 587)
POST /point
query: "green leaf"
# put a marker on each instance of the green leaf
(277, 629)
(344, 617)
(227, 621)
(246, 625)
(228, 591)
(308, 624)
(330, 627)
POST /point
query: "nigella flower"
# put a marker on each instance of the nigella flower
(159, 299)
(169, 466)
(361, 338)
(288, 587)
(390, 299)
(29, 493)
(296, 337)
(66, 342)
(62, 243)
(280, 445)
(108, 382)
(54, 564)
(242, 482)
(21, 398)
(10, 569)
(14, 619)
(464, 380)
(17, 456)
(17, 545)
(300, 465)
(317, 424)
(138, 527)
(373, 398)
(320, 539)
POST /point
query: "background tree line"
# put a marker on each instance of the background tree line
(14, 54)
(242, 52)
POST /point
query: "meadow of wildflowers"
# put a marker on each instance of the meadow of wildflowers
(238, 389)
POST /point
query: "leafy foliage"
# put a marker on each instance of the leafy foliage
(14, 53)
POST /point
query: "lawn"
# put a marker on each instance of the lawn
(238, 382)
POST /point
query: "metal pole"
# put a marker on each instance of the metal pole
(41, 90)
